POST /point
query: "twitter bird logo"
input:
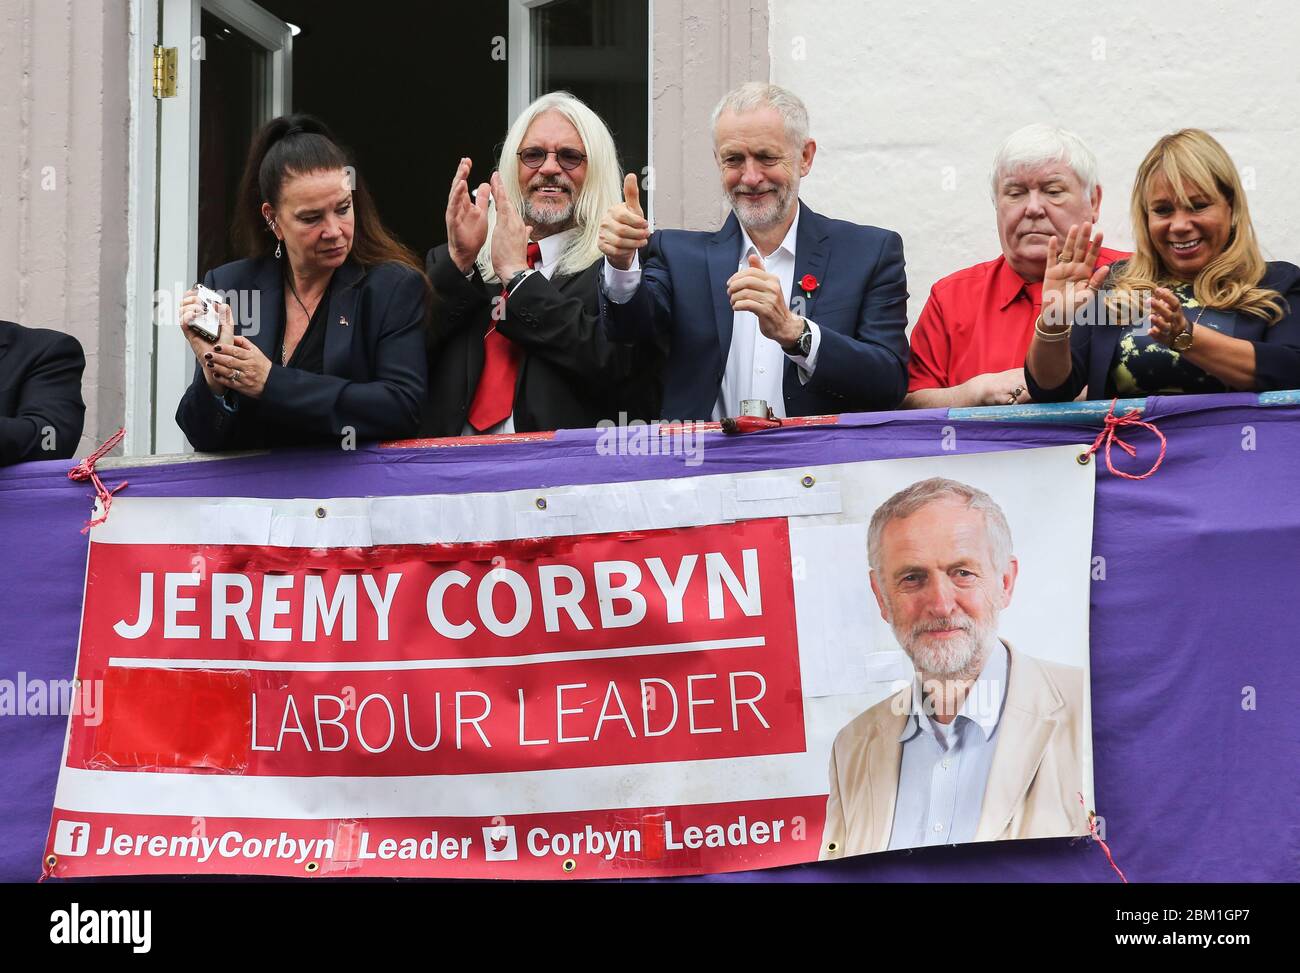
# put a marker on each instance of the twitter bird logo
(499, 843)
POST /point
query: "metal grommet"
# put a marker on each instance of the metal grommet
(313, 866)
(833, 847)
(51, 860)
(320, 512)
(541, 503)
(1083, 459)
(569, 865)
(77, 681)
(808, 479)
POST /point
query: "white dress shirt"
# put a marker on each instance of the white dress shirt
(755, 363)
(551, 247)
(945, 768)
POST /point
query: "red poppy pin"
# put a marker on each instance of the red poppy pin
(808, 283)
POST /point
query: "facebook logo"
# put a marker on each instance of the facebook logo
(71, 838)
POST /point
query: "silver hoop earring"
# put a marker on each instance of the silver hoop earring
(278, 246)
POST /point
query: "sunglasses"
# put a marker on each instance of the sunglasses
(569, 159)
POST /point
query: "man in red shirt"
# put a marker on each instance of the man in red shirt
(968, 346)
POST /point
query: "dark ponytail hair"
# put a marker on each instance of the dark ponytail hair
(295, 145)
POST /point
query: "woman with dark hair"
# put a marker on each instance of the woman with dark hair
(332, 309)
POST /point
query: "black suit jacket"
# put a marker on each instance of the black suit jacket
(40, 389)
(374, 373)
(859, 304)
(571, 377)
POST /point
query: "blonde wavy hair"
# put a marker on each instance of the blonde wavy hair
(1230, 281)
(602, 188)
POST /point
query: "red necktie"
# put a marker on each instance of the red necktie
(494, 399)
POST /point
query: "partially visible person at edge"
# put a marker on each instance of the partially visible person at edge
(1196, 309)
(41, 409)
(969, 344)
(331, 307)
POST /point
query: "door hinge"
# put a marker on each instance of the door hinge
(164, 72)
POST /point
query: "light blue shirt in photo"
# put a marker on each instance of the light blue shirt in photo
(944, 769)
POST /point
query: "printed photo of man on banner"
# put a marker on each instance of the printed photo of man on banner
(987, 741)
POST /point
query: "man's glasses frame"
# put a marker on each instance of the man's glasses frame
(535, 157)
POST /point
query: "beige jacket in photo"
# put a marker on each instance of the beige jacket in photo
(1034, 782)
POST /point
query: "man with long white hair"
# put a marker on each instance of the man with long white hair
(969, 344)
(782, 304)
(515, 344)
(986, 742)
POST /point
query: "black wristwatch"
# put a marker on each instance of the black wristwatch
(516, 280)
(803, 344)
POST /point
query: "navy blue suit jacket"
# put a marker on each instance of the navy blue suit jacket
(860, 306)
(374, 370)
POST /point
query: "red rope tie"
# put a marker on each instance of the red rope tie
(1092, 830)
(1110, 435)
(85, 470)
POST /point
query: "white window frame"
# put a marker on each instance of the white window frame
(163, 202)
(142, 221)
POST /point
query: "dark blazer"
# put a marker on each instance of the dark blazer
(860, 306)
(374, 372)
(40, 389)
(571, 377)
(1277, 346)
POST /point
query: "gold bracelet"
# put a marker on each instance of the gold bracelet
(1050, 336)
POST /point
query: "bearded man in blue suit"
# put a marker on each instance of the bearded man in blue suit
(781, 304)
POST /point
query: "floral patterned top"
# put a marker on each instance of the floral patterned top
(1143, 366)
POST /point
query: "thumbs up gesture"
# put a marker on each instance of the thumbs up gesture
(624, 229)
(752, 288)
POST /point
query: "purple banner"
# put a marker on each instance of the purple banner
(1195, 730)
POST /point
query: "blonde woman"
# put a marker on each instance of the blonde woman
(1196, 309)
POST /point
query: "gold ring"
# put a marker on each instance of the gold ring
(237, 375)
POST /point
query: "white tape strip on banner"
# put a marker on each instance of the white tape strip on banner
(324, 531)
(624, 506)
(405, 520)
(768, 488)
(543, 523)
(821, 498)
(229, 523)
(443, 520)
(833, 607)
(470, 518)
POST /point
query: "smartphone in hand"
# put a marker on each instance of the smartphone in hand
(207, 323)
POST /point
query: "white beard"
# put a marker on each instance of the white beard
(762, 215)
(552, 211)
(956, 658)
(548, 215)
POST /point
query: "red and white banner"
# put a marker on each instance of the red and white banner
(299, 688)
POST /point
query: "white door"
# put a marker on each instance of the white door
(184, 24)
